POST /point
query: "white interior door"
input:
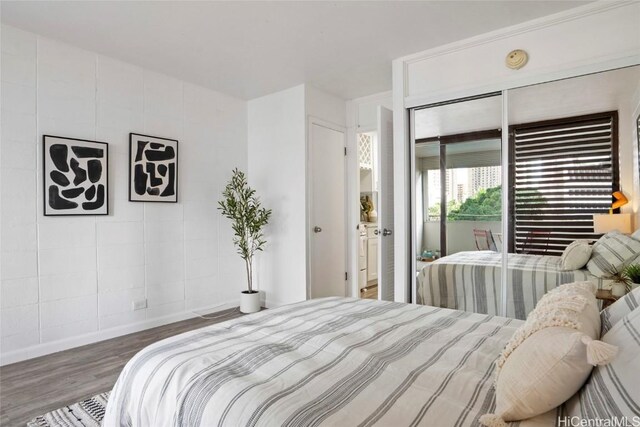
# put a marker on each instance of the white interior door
(327, 219)
(385, 204)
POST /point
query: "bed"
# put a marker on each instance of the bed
(331, 361)
(470, 281)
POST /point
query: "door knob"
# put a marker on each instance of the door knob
(317, 229)
(386, 232)
(376, 231)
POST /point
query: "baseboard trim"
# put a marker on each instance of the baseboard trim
(105, 334)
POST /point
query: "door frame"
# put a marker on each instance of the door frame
(383, 199)
(353, 210)
(353, 233)
(355, 125)
(313, 120)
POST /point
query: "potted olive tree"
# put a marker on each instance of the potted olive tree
(248, 219)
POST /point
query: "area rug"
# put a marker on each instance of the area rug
(87, 413)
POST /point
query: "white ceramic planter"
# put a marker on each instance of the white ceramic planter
(250, 302)
(618, 289)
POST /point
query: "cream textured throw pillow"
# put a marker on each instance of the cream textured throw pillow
(576, 255)
(549, 357)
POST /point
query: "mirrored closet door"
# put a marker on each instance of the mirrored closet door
(569, 164)
(457, 204)
(571, 148)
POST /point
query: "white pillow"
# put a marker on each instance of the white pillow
(611, 253)
(616, 311)
(576, 255)
(636, 234)
(549, 358)
(613, 390)
(635, 260)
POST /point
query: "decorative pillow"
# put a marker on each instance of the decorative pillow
(616, 311)
(576, 255)
(613, 391)
(549, 357)
(612, 252)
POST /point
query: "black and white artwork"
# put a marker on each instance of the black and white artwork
(153, 169)
(75, 175)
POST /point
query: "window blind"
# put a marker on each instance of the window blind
(561, 173)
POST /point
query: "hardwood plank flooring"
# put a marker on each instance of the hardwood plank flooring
(370, 292)
(36, 386)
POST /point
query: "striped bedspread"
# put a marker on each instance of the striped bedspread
(331, 361)
(470, 281)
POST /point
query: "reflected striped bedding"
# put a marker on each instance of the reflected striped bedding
(470, 281)
(331, 361)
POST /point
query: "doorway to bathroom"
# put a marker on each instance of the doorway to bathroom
(375, 249)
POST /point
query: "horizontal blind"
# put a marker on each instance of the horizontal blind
(562, 172)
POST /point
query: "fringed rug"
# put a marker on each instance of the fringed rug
(88, 413)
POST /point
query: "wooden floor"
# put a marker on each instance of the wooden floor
(37, 386)
(370, 292)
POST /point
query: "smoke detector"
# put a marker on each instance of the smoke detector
(517, 59)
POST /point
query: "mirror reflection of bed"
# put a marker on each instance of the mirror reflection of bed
(570, 146)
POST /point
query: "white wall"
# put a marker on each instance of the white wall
(558, 46)
(365, 117)
(277, 133)
(324, 106)
(277, 170)
(69, 281)
(592, 38)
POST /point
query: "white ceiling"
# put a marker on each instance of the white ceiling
(249, 49)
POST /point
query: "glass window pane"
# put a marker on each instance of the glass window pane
(474, 196)
(428, 201)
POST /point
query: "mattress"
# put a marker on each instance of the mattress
(470, 281)
(331, 361)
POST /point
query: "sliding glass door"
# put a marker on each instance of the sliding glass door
(457, 204)
(473, 194)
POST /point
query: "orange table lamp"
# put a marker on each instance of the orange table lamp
(620, 201)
